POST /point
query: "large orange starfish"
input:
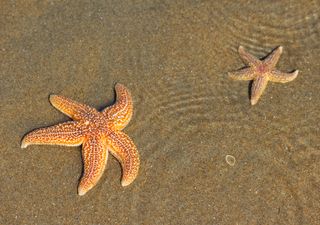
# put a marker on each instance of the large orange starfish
(98, 132)
(261, 71)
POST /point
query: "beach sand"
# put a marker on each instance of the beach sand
(188, 115)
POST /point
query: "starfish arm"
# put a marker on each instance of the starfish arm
(243, 74)
(248, 58)
(122, 147)
(121, 111)
(68, 134)
(258, 86)
(70, 107)
(281, 77)
(273, 58)
(94, 156)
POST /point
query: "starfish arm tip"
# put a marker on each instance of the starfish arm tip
(51, 97)
(118, 84)
(82, 191)
(24, 144)
(253, 101)
(241, 49)
(280, 48)
(125, 182)
(242, 74)
(281, 77)
(294, 75)
(233, 76)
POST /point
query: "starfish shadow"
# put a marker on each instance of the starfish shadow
(249, 89)
(108, 103)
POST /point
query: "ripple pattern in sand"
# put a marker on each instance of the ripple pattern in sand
(260, 24)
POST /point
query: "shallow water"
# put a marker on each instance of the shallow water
(174, 57)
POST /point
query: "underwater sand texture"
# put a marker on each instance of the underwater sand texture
(174, 57)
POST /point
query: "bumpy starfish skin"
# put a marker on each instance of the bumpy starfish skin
(261, 71)
(98, 132)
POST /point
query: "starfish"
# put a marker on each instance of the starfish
(261, 71)
(97, 132)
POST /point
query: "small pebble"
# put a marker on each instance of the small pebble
(231, 160)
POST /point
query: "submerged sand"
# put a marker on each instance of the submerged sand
(188, 116)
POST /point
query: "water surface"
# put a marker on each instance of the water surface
(174, 57)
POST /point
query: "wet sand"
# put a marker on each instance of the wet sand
(174, 57)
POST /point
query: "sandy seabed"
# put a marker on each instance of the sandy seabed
(188, 116)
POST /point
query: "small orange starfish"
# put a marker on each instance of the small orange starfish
(261, 71)
(98, 132)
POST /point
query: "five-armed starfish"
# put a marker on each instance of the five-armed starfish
(261, 71)
(98, 132)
